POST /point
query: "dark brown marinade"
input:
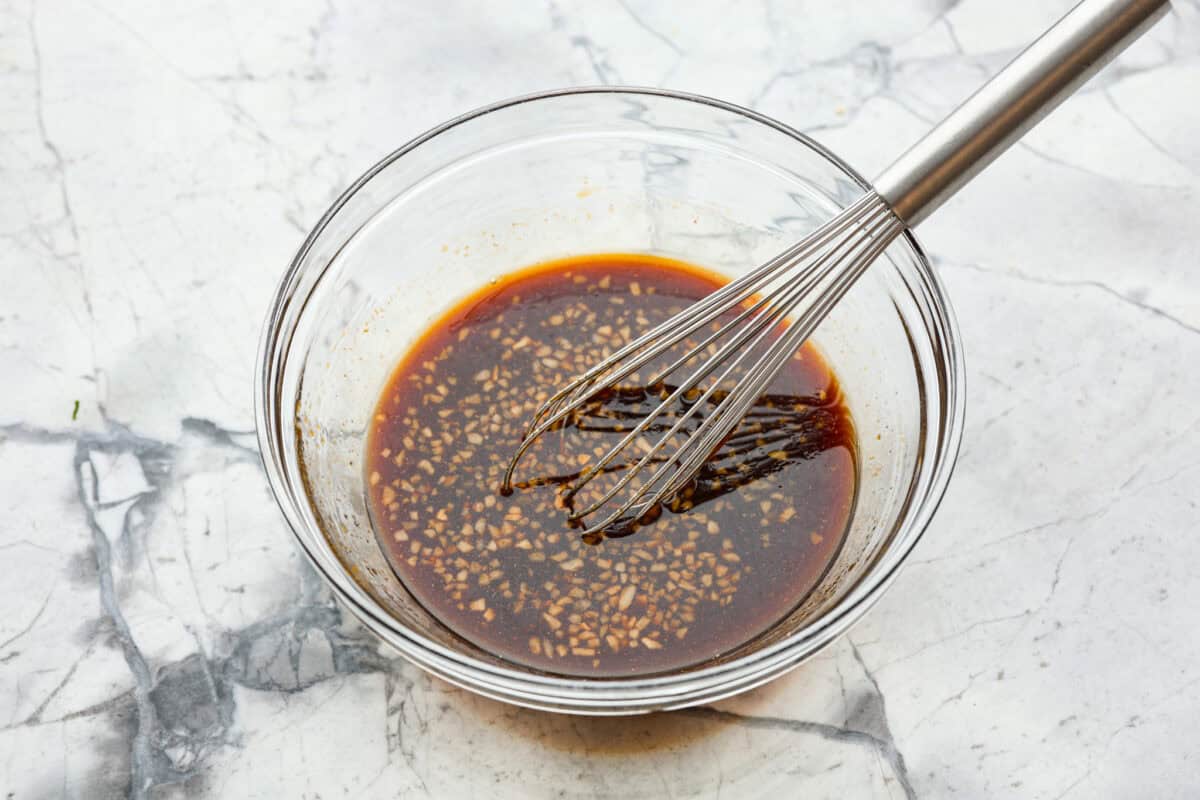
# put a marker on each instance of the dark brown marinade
(753, 535)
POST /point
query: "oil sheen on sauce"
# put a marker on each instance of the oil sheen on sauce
(754, 535)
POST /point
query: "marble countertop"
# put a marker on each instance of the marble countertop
(160, 635)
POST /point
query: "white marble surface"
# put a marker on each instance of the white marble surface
(161, 637)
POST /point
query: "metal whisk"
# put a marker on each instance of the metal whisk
(736, 340)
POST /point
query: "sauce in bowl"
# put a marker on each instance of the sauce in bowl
(726, 560)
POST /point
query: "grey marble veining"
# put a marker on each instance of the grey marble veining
(161, 637)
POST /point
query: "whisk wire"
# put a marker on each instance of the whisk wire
(812, 276)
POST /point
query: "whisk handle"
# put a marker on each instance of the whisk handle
(1012, 102)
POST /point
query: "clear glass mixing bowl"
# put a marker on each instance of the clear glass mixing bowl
(568, 173)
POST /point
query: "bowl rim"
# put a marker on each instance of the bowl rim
(610, 695)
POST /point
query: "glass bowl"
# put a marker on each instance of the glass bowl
(568, 173)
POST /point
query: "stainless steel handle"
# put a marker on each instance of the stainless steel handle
(1012, 102)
